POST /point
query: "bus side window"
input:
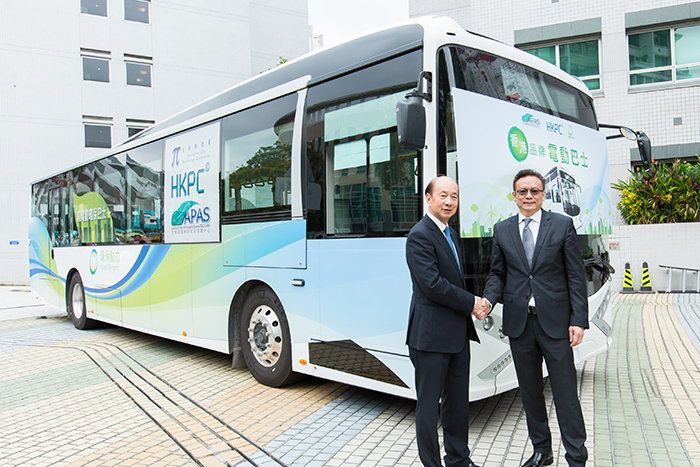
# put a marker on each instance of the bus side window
(144, 188)
(257, 148)
(366, 183)
(40, 203)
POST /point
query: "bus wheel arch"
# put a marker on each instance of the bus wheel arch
(234, 322)
(75, 302)
(263, 335)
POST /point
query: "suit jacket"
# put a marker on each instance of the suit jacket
(440, 317)
(557, 278)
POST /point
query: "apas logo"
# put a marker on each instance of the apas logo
(191, 213)
(531, 120)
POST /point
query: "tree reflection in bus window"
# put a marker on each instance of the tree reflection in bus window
(257, 147)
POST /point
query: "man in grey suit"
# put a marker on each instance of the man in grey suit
(440, 327)
(537, 274)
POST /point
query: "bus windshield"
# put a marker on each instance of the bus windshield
(500, 78)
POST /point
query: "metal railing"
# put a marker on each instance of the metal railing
(670, 270)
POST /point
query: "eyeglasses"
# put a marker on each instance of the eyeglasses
(533, 191)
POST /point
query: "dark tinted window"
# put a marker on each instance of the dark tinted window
(96, 69)
(98, 136)
(257, 148)
(136, 10)
(358, 180)
(131, 131)
(138, 74)
(94, 7)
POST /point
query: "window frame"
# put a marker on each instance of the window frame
(98, 123)
(270, 213)
(96, 55)
(672, 67)
(142, 61)
(321, 227)
(148, 12)
(106, 7)
(557, 57)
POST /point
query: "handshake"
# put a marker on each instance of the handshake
(482, 307)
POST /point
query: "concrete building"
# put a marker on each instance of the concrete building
(640, 58)
(80, 76)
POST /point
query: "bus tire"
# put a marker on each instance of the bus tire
(76, 304)
(265, 340)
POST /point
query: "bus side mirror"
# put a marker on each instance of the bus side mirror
(644, 145)
(410, 120)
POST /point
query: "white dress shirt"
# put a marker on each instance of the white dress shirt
(535, 229)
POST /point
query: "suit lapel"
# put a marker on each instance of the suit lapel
(546, 222)
(442, 241)
(514, 231)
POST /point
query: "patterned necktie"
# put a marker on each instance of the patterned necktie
(528, 241)
(452, 245)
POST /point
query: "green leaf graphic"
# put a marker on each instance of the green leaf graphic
(181, 212)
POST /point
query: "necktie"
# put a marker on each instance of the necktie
(528, 241)
(452, 245)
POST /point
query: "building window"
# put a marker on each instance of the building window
(137, 125)
(94, 7)
(133, 130)
(664, 55)
(580, 59)
(138, 74)
(98, 135)
(136, 10)
(95, 69)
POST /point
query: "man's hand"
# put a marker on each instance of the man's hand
(481, 308)
(575, 335)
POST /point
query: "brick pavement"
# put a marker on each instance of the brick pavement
(74, 398)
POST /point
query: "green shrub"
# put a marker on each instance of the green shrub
(667, 193)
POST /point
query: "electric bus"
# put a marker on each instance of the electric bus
(269, 221)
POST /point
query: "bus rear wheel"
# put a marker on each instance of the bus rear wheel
(265, 340)
(76, 304)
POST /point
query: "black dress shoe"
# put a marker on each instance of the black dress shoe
(472, 464)
(540, 458)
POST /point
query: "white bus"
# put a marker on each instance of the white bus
(269, 222)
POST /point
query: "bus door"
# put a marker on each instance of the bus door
(49, 211)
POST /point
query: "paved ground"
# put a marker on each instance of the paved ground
(117, 397)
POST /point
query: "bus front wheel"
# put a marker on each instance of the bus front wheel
(265, 340)
(76, 304)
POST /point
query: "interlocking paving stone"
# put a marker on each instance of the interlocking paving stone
(641, 401)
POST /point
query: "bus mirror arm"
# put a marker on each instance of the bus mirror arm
(418, 92)
(410, 114)
(641, 138)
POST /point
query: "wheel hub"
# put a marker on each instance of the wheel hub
(265, 335)
(77, 301)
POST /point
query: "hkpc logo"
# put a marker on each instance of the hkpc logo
(517, 143)
(176, 156)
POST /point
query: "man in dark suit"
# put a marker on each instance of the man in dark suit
(440, 327)
(538, 275)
